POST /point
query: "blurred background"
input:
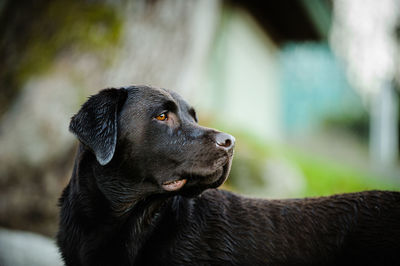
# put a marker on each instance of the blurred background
(309, 88)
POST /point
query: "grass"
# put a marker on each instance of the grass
(325, 177)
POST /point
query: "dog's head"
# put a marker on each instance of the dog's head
(147, 141)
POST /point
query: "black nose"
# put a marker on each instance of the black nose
(224, 140)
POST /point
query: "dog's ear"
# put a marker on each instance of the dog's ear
(96, 123)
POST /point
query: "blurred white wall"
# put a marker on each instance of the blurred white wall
(244, 76)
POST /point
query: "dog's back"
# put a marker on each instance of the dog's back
(221, 228)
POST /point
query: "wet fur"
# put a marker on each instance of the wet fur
(114, 211)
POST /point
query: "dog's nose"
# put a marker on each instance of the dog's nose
(224, 140)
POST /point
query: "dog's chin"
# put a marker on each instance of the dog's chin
(197, 184)
(221, 178)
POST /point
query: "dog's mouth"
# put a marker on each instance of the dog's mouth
(210, 180)
(221, 177)
(173, 185)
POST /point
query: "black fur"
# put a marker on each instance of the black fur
(118, 210)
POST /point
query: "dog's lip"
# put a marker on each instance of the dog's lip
(223, 177)
(216, 178)
(173, 185)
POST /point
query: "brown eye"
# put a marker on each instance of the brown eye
(162, 117)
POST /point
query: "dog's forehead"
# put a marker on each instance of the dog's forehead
(148, 96)
(179, 100)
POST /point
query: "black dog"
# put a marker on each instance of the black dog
(143, 192)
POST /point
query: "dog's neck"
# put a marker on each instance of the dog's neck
(99, 215)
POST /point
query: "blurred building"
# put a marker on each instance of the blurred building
(280, 63)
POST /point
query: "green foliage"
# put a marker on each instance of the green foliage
(90, 26)
(37, 32)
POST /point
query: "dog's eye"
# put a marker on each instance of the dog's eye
(162, 117)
